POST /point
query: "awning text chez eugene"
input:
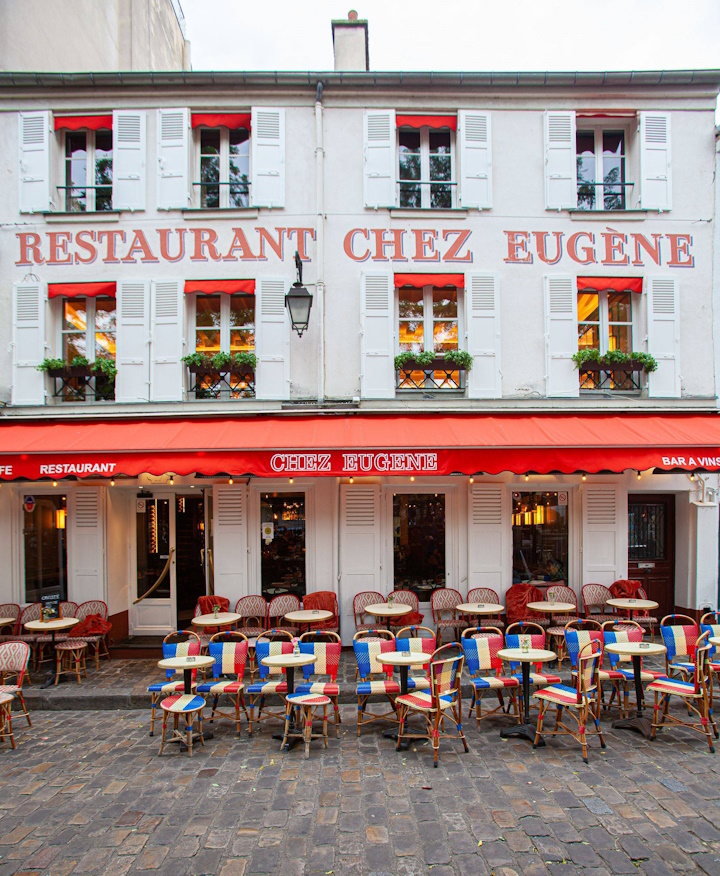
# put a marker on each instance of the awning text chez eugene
(424, 246)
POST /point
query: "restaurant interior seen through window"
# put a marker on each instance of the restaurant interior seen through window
(224, 324)
(44, 536)
(419, 542)
(540, 536)
(89, 331)
(282, 519)
(605, 323)
(428, 323)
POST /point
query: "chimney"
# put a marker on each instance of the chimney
(350, 44)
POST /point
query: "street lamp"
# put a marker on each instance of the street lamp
(298, 301)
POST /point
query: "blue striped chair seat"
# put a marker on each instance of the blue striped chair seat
(493, 682)
(539, 678)
(674, 686)
(183, 703)
(683, 666)
(423, 700)
(226, 686)
(323, 688)
(268, 687)
(417, 682)
(377, 687)
(167, 687)
(645, 674)
(561, 694)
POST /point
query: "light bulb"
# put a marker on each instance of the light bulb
(352, 480)
(412, 477)
(638, 475)
(112, 482)
(584, 477)
(527, 478)
(692, 476)
(230, 480)
(292, 480)
(54, 483)
(472, 480)
(172, 480)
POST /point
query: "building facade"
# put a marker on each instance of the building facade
(518, 219)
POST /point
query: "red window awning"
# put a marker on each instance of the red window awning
(212, 287)
(359, 444)
(426, 122)
(222, 120)
(83, 123)
(617, 284)
(81, 290)
(417, 281)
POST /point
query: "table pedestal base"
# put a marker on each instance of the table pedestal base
(522, 731)
(638, 723)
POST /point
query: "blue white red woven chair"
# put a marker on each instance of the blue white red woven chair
(325, 646)
(443, 602)
(271, 682)
(441, 703)
(487, 595)
(376, 679)
(710, 624)
(680, 634)
(626, 631)
(577, 634)
(190, 706)
(695, 694)
(229, 651)
(14, 660)
(307, 706)
(480, 646)
(582, 698)
(417, 640)
(538, 678)
(183, 643)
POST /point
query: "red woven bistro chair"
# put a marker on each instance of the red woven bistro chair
(278, 608)
(489, 596)
(94, 611)
(12, 610)
(364, 621)
(443, 602)
(254, 611)
(412, 618)
(323, 600)
(14, 660)
(206, 605)
(595, 597)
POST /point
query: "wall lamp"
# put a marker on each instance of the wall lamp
(298, 301)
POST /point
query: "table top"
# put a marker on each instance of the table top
(305, 616)
(480, 608)
(643, 649)
(552, 606)
(180, 663)
(534, 655)
(640, 604)
(383, 609)
(284, 660)
(7, 620)
(57, 623)
(404, 658)
(209, 620)
(714, 640)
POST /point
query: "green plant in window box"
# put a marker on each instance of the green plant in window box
(105, 367)
(198, 360)
(52, 365)
(221, 361)
(634, 361)
(461, 358)
(245, 360)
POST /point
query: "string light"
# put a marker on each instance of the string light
(692, 476)
(231, 481)
(112, 482)
(638, 475)
(527, 478)
(584, 477)
(472, 480)
(54, 483)
(412, 477)
(292, 480)
(172, 480)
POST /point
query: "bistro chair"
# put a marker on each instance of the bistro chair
(641, 616)
(70, 656)
(442, 702)
(480, 646)
(406, 597)
(560, 593)
(323, 600)
(595, 597)
(253, 610)
(620, 632)
(271, 682)
(580, 633)
(278, 608)
(190, 706)
(443, 602)
(364, 621)
(326, 647)
(417, 640)
(582, 698)
(182, 643)
(307, 707)
(710, 624)
(229, 650)
(487, 595)
(538, 677)
(375, 678)
(65, 609)
(97, 642)
(205, 605)
(695, 693)
(31, 612)
(11, 610)
(14, 660)
(680, 634)
(6, 730)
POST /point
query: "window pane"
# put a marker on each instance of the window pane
(75, 314)
(444, 303)
(419, 543)
(104, 327)
(614, 169)
(45, 548)
(588, 336)
(207, 341)
(409, 141)
(239, 167)
(540, 537)
(445, 336)
(619, 306)
(410, 168)
(440, 168)
(440, 142)
(242, 340)
(210, 141)
(210, 167)
(207, 311)
(411, 303)
(242, 310)
(74, 345)
(75, 172)
(588, 307)
(411, 336)
(103, 170)
(620, 338)
(585, 151)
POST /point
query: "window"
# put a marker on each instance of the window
(605, 324)
(419, 543)
(540, 537)
(225, 324)
(426, 161)
(224, 167)
(89, 331)
(428, 323)
(88, 171)
(600, 156)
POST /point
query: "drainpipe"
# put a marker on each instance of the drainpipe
(320, 237)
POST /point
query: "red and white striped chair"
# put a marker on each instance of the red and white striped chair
(14, 659)
(229, 650)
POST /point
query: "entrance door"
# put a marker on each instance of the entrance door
(651, 547)
(282, 517)
(419, 561)
(45, 547)
(170, 550)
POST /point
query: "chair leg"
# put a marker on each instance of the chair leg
(24, 707)
(58, 665)
(306, 713)
(436, 737)
(325, 725)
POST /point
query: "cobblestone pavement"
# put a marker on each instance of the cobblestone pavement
(86, 793)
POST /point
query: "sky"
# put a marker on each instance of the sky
(459, 34)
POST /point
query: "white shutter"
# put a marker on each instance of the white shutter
(655, 176)
(28, 344)
(173, 153)
(379, 158)
(34, 175)
(561, 336)
(267, 143)
(133, 341)
(86, 544)
(475, 153)
(604, 550)
(272, 339)
(129, 160)
(230, 541)
(360, 565)
(377, 369)
(482, 308)
(560, 163)
(489, 554)
(664, 337)
(166, 341)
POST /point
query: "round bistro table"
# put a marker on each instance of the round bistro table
(479, 608)
(384, 609)
(551, 608)
(52, 626)
(526, 730)
(633, 604)
(223, 619)
(308, 616)
(636, 650)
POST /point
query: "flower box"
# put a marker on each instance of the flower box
(603, 365)
(71, 371)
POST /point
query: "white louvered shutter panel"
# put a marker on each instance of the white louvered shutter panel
(489, 553)
(664, 337)
(173, 154)
(604, 551)
(360, 563)
(86, 544)
(561, 338)
(267, 144)
(133, 341)
(129, 148)
(230, 541)
(166, 341)
(272, 339)
(34, 175)
(379, 158)
(482, 308)
(475, 154)
(560, 163)
(28, 344)
(655, 175)
(377, 370)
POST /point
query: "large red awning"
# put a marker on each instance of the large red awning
(359, 444)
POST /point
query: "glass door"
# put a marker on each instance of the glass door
(45, 546)
(282, 534)
(419, 562)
